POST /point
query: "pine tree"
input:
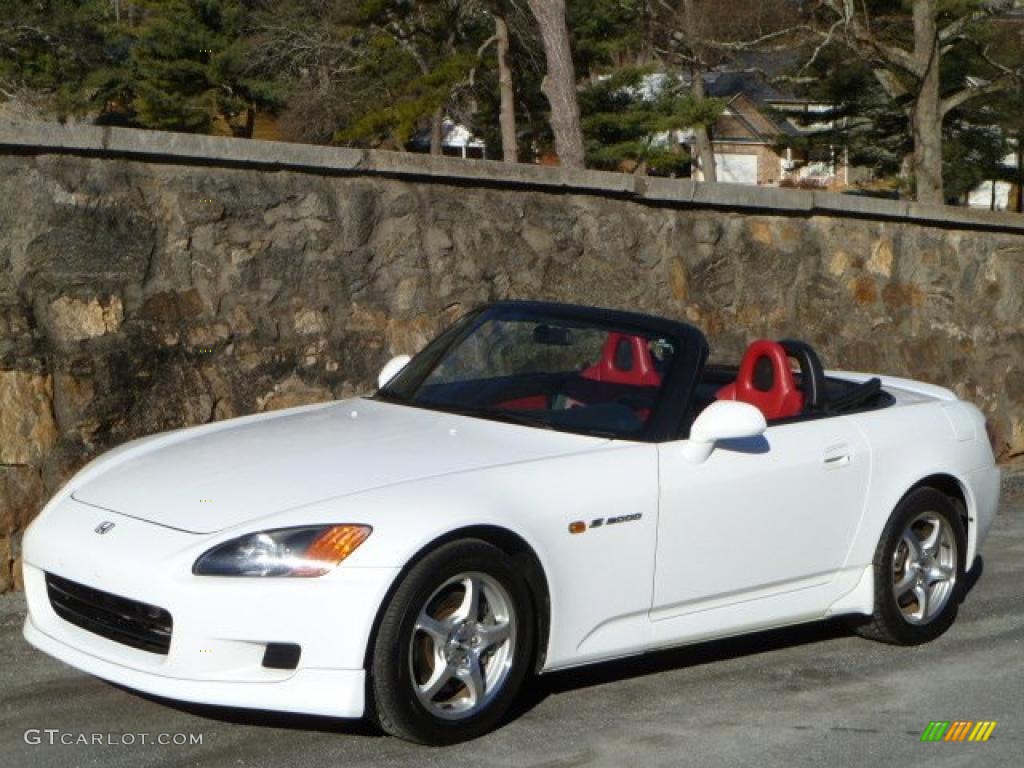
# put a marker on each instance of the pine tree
(930, 58)
(50, 48)
(187, 66)
(421, 57)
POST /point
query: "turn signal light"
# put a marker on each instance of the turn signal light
(336, 543)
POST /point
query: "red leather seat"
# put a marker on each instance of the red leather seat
(766, 380)
(625, 359)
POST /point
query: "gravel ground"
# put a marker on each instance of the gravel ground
(808, 696)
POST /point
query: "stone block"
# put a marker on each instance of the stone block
(21, 497)
(27, 427)
(70, 319)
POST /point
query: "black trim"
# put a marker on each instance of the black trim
(282, 656)
(812, 373)
(116, 618)
(857, 398)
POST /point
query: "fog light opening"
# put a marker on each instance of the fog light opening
(282, 656)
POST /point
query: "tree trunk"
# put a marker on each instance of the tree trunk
(559, 84)
(250, 121)
(704, 150)
(926, 115)
(702, 136)
(1020, 173)
(507, 115)
(436, 128)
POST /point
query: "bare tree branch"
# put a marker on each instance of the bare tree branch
(957, 28)
(1001, 83)
(825, 41)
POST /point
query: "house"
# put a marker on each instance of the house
(456, 141)
(752, 137)
(1000, 195)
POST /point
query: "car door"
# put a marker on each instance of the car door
(754, 535)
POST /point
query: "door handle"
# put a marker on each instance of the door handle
(838, 456)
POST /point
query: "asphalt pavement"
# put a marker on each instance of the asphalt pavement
(814, 695)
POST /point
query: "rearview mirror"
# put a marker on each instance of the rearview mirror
(391, 369)
(552, 336)
(722, 420)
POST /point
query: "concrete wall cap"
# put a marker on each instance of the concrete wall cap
(190, 149)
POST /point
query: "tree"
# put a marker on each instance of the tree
(871, 130)
(50, 48)
(186, 67)
(559, 85)
(506, 107)
(422, 55)
(630, 111)
(308, 49)
(1008, 106)
(907, 54)
(507, 113)
(381, 73)
(693, 37)
(681, 30)
(608, 35)
(502, 41)
(632, 117)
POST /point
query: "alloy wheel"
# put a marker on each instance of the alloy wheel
(924, 568)
(463, 645)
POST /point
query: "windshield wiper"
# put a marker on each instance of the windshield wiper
(512, 417)
(493, 414)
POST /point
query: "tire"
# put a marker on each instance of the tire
(423, 684)
(906, 576)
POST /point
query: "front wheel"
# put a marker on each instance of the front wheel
(453, 646)
(919, 571)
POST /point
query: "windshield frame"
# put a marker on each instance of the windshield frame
(667, 415)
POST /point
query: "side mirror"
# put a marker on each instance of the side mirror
(722, 420)
(391, 369)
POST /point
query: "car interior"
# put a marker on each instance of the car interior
(615, 391)
(784, 379)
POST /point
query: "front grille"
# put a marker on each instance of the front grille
(116, 618)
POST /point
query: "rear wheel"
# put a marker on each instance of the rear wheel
(453, 645)
(919, 571)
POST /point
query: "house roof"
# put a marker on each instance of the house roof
(742, 122)
(753, 84)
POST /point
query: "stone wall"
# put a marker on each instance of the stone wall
(153, 281)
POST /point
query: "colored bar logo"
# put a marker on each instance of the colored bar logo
(958, 730)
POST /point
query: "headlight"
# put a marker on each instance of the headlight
(309, 551)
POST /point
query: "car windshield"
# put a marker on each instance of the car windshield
(543, 371)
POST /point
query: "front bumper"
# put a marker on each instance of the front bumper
(332, 692)
(221, 626)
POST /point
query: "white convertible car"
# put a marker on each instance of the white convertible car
(543, 486)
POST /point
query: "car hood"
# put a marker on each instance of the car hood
(211, 478)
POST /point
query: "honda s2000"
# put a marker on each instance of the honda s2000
(543, 486)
